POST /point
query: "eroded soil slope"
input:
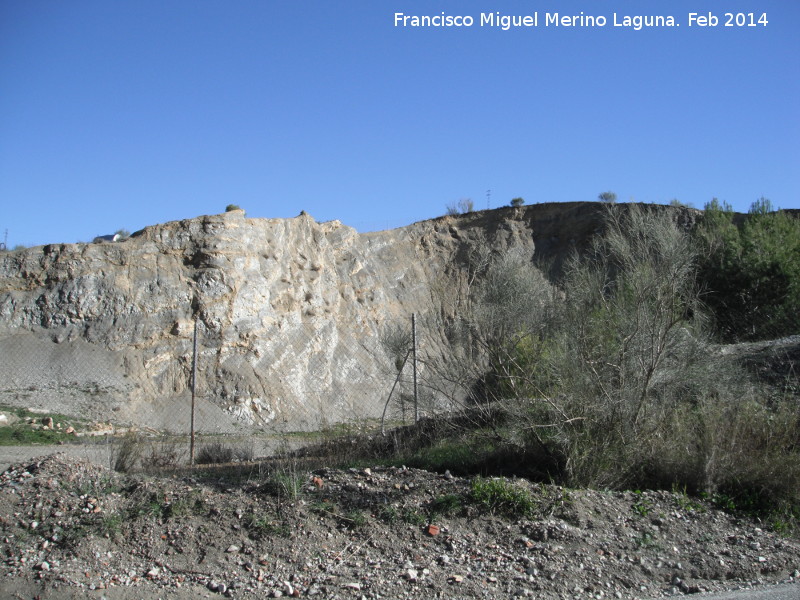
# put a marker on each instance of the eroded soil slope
(72, 529)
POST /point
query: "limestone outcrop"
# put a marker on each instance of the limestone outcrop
(290, 313)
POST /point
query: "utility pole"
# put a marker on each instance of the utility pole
(488, 199)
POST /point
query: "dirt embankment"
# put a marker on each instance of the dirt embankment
(71, 529)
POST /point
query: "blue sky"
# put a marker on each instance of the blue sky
(129, 113)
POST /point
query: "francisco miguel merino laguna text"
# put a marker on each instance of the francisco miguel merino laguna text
(506, 22)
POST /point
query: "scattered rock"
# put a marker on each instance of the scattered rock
(155, 534)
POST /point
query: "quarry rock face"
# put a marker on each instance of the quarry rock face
(290, 313)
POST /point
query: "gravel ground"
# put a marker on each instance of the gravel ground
(73, 529)
(98, 453)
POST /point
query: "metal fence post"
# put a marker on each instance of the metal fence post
(194, 390)
(414, 363)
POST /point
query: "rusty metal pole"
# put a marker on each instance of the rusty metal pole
(414, 363)
(194, 390)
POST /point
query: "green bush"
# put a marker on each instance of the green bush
(751, 267)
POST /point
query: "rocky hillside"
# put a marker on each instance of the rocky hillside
(290, 312)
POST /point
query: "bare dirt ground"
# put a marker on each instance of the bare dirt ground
(73, 529)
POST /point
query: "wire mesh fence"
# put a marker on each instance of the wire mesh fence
(225, 394)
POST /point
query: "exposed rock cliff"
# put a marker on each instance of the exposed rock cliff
(290, 312)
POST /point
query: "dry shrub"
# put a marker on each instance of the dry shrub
(612, 381)
(126, 452)
(214, 453)
(136, 451)
(743, 449)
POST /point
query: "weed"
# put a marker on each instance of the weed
(187, 505)
(413, 516)
(643, 506)
(389, 514)
(111, 525)
(445, 505)
(101, 485)
(784, 526)
(647, 540)
(285, 484)
(684, 501)
(721, 501)
(354, 519)
(263, 526)
(555, 501)
(458, 456)
(163, 507)
(501, 496)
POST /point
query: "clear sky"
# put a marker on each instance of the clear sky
(122, 114)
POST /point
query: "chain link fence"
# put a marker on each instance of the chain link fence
(245, 397)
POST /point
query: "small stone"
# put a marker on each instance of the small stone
(154, 572)
(44, 566)
(456, 578)
(232, 549)
(411, 574)
(352, 586)
(433, 530)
